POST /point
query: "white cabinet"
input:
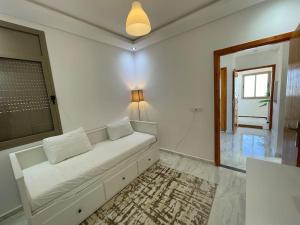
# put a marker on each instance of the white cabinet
(272, 194)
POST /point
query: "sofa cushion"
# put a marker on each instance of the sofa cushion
(119, 129)
(61, 147)
(46, 182)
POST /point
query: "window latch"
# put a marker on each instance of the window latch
(53, 99)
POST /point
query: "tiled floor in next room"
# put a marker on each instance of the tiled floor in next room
(230, 199)
(246, 142)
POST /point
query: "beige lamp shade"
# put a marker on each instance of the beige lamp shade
(137, 23)
(137, 95)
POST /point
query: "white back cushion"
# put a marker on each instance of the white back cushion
(118, 129)
(67, 145)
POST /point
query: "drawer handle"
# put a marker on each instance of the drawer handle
(123, 178)
(149, 159)
(79, 210)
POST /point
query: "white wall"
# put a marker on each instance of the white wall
(92, 82)
(256, 59)
(177, 74)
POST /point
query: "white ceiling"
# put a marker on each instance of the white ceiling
(111, 15)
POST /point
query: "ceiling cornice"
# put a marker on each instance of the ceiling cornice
(29, 11)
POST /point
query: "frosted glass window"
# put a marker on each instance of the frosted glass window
(256, 85)
(249, 86)
(262, 81)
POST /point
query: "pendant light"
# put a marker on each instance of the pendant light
(137, 23)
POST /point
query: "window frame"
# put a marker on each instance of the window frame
(47, 73)
(255, 74)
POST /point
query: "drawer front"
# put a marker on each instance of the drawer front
(90, 203)
(118, 181)
(66, 217)
(148, 160)
(81, 209)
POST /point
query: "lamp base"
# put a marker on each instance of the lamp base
(139, 110)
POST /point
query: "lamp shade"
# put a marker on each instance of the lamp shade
(137, 23)
(137, 95)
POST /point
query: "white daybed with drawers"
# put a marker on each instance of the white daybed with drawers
(68, 192)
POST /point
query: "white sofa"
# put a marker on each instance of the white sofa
(68, 192)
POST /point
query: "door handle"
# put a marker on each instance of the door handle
(297, 130)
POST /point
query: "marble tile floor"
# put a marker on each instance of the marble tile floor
(230, 199)
(246, 142)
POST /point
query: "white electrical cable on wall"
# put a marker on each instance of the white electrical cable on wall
(187, 132)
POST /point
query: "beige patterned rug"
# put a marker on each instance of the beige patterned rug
(159, 196)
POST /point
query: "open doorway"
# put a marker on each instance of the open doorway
(252, 91)
(251, 97)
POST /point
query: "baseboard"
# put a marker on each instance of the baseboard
(250, 126)
(188, 156)
(258, 117)
(10, 213)
(233, 168)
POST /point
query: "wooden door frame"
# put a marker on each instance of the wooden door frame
(225, 116)
(273, 66)
(217, 66)
(233, 100)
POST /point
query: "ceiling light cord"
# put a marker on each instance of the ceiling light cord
(186, 133)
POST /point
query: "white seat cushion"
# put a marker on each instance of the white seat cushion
(45, 182)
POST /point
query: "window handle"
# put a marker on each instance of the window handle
(53, 99)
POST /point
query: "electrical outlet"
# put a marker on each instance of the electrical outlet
(197, 109)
